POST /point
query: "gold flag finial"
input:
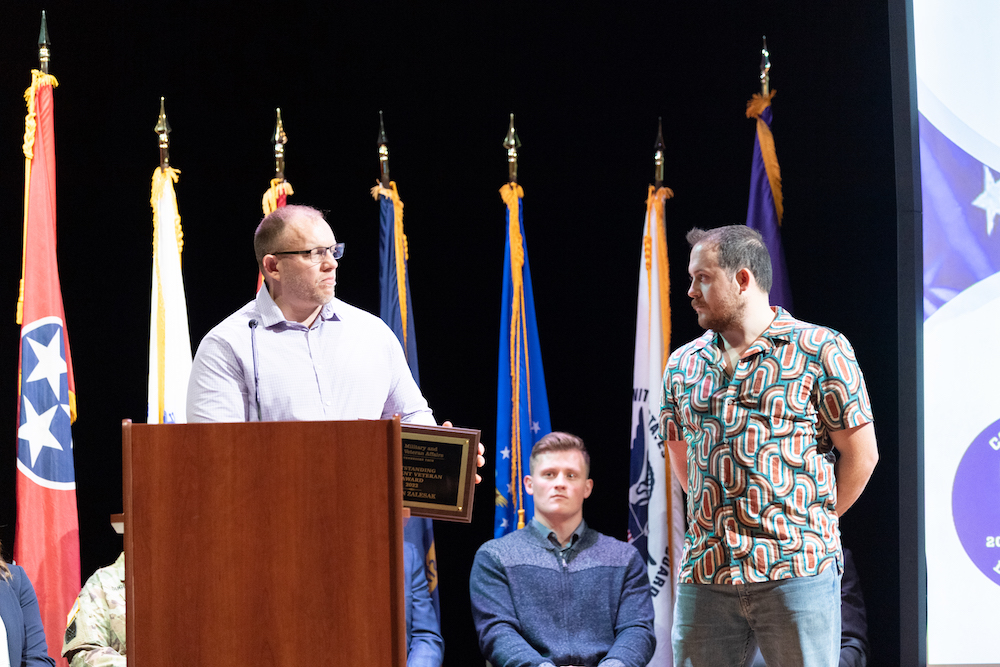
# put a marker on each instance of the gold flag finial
(43, 46)
(511, 143)
(765, 69)
(280, 139)
(658, 155)
(383, 153)
(162, 130)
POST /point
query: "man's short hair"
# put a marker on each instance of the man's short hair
(558, 441)
(270, 229)
(737, 247)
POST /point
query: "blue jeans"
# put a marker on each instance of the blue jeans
(796, 623)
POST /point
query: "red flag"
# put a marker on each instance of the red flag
(46, 539)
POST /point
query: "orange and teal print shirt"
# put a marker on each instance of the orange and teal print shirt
(762, 498)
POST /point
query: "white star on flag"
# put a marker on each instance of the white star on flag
(989, 198)
(505, 452)
(35, 430)
(503, 523)
(51, 365)
(510, 490)
(535, 427)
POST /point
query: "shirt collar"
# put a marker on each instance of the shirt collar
(777, 333)
(271, 315)
(545, 532)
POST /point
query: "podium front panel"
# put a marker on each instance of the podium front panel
(275, 543)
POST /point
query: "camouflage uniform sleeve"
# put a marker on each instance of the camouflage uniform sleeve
(95, 629)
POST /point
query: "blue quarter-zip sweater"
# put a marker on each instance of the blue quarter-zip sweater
(535, 604)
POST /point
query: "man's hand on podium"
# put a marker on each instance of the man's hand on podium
(480, 460)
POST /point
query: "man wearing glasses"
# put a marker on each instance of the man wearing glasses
(296, 352)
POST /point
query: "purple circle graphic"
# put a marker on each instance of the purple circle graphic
(975, 501)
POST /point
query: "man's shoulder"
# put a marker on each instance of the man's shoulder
(109, 576)
(690, 348)
(610, 550)
(807, 337)
(238, 321)
(359, 319)
(352, 313)
(513, 547)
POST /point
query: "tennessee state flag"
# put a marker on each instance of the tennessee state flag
(522, 402)
(46, 539)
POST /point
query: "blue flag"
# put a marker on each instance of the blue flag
(396, 310)
(765, 208)
(522, 403)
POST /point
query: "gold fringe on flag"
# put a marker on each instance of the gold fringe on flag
(511, 194)
(654, 204)
(38, 79)
(269, 202)
(161, 176)
(402, 251)
(755, 107)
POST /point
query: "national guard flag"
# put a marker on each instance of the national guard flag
(396, 310)
(656, 501)
(46, 538)
(522, 403)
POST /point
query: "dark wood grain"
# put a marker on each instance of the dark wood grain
(264, 543)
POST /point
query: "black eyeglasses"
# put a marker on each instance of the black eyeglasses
(316, 255)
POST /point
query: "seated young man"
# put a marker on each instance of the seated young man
(557, 592)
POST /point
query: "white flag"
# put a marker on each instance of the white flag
(656, 505)
(169, 339)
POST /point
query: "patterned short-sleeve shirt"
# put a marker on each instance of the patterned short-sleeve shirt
(762, 494)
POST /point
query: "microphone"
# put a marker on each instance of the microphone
(256, 375)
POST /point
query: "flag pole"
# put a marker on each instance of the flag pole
(43, 46)
(280, 139)
(511, 143)
(383, 153)
(658, 150)
(162, 130)
(765, 69)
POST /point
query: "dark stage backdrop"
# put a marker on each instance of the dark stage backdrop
(587, 85)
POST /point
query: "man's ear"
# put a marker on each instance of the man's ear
(588, 487)
(528, 486)
(744, 279)
(270, 263)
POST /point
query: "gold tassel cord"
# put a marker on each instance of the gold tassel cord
(38, 79)
(755, 107)
(269, 202)
(511, 194)
(655, 204)
(655, 214)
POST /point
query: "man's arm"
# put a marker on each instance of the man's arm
(678, 461)
(497, 624)
(216, 388)
(634, 638)
(858, 456)
(89, 640)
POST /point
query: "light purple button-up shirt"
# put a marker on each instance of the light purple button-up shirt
(347, 365)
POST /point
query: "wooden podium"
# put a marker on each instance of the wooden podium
(276, 543)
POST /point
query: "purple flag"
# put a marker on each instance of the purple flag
(763, 212)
